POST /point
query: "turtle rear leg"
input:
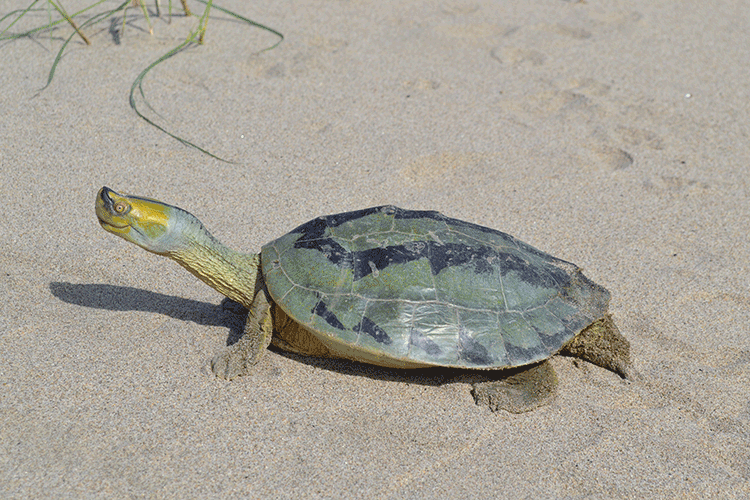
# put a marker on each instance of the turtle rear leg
(602, 344)
(239, 358)
(527, 389)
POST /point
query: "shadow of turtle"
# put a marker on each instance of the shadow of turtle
(232, 315)
(125, 298)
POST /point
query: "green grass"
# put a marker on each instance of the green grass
(85, 19)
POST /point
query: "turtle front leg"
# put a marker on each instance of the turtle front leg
(239, 358)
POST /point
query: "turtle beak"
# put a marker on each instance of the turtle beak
(105, 205)
(105, 198)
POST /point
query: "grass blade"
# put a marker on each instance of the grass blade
(93, 20)
(22, 13)
(248, 21)
(138, 85)
(192, 38)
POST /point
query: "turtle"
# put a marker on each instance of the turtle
(394, 288)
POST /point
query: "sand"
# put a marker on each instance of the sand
(611, 134)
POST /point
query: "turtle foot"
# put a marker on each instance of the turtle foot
(524, 391)
(231, 363)
(239, 358)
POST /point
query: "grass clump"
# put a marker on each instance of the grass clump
(87, 18)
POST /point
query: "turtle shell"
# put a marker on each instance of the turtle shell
(411, 288)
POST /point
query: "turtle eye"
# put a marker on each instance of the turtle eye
(120, 207)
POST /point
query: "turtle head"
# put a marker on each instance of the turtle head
(150, 224)
(175, 233)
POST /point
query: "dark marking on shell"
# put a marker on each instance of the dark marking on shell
(338, 219)
(332, 250)
(383, 257)
(434, 215)
(439, 255)
(316, 227)
(456, 254)
(416, 338)
(369, 327)
(472, 351)
(461, 224)
(321, 310)
(518, 355)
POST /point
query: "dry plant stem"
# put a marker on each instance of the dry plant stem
(145, 14)
(186, 8)
(62, 12)
(204, 21)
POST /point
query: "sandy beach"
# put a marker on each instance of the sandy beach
(610, 134)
